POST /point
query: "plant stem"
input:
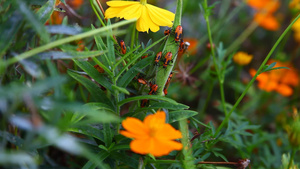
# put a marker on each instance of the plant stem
(292, 157)
(65, 40)
(97, 14)
(257, 73)
(221, 78)
(170, 46)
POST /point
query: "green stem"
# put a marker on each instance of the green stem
(221, 78)
(96, 12)
(257, 73)
(292, 157)
(65, 40)
(170, 46)
(188, 161)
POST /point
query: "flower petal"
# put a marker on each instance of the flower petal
(158, 118)
(167, 132)
(130, 12)
(144, 23)
(121, 3)
(160, 16)
(284, 90)
(135, 128)
(154, 146)
(112, 12)
(164, 147)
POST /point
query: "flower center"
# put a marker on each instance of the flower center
(143, 2)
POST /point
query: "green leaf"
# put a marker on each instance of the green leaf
(108, 134)
(120, 89)
(33, 20)
(133, 71)
(100, 106)
(8, 30)
(152, 97)
(94, 89)
(93, 73)
(168, 105)
(110, 46)
(180, 115)
(127, 160)
(69, 54)
(88, 131)
(102, 155)
(32, 68)
(101, 46)
(45, 11)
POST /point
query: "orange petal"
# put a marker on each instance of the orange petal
(284, 90)
(155, 147)
(135, 127)
(167, 132)
(158, 118)
(267, 21)
(164, 147)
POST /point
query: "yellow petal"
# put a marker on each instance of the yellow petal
(112, 12)
(135, 127)
(121, 3)
(144, 23)
(130, 12)
(160, 16)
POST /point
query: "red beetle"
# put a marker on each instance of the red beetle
(157, 58)
(145, 56)
(123, 46)
(153, 88)
(165, 91)
(168, 58)
(178, 33)
(169, 79)
(144, 103)
(142, 80)
(167, 32)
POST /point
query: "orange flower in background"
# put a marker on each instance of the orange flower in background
(280, 80)
(242, 58)
(267, 21)
(75, 4)
(152, 136)
(264, 15)
(193, 45)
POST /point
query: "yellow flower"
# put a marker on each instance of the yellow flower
(242, 58)
(148, 16)
(152, 136)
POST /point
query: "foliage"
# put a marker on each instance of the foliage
(65, 88)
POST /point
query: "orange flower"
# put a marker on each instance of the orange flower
(193, 45)
(280, 80)
(152, 136)
(267, 21)
(75, 4)
(264, 15)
